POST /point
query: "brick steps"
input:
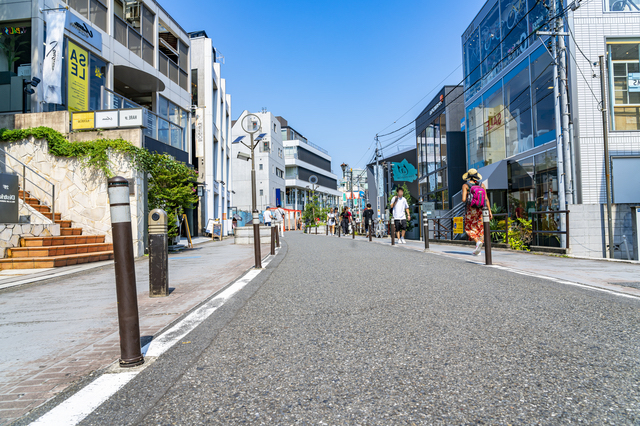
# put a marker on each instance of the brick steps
(70, 231)
(70, 248)
(54, 261)
(61, 240)
(21, 252)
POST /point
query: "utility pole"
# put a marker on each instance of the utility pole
(607, 165)
(378, 178)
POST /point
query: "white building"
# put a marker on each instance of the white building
(133, 49)
(269, 165)
(303, 160)
(211, 134)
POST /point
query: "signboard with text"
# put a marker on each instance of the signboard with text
(106, 119)
(458, 225)
(634, 81)
(82, 120)
(9, 206)
(131, 117)
(78, 69)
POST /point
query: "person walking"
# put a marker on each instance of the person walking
(400, 208)
(267, 216)
(346, 219)
(475, 196)
(367, 216)
(278, 217)
(331, 220)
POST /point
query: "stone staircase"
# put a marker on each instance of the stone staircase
(70, 248)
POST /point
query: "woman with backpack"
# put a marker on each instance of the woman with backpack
(475, 195)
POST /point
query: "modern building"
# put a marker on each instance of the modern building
(269, 165)
(512, 135)
(115, 54)
(211, 135)
(441, 148)
(303, 161)
(390, 172)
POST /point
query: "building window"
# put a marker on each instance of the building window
(260, 167)
(261, 192)
(194, 87)
(279, 173)
(621, 6)
(542, 81)
(94, 10)
(517, 114)
(624, 84)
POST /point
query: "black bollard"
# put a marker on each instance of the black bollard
(158, 254)
(353, 231)
(256, 240)
(370, 229)
(128, 321)
(426, 231)
(487, 236)
(392, 230)
(273, 241)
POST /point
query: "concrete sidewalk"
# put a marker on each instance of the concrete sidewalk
(57, 333)
(621, 277)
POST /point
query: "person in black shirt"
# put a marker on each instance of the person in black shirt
(367, 215)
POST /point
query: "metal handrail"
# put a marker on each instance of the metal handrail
(52, 194)
(565, 232)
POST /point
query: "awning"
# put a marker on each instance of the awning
(136, 80)
(495, 175)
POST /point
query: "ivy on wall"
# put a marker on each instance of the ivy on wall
(170, 182)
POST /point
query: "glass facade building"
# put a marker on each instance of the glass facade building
(509, 103)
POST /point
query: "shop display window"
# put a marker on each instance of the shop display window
(624, 84)
(518, 125)
(622, 6)
(15, 63)
(475, 134)
(97, 79)
(542, 82)
(514, 28)
(539, 15)
(490, 45)
(430, 141)
(494, 139)
(472, 69)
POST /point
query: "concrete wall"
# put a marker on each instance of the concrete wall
(588, 230)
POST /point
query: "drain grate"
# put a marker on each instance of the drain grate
(627, 284)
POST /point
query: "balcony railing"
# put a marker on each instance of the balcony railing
(156, 127)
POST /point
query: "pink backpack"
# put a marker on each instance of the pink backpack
(476, 196)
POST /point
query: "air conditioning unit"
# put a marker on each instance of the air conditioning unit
(132, 14)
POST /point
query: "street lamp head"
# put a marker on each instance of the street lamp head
(238, 139)
(244, 156)
(251, 123)
(344, 167)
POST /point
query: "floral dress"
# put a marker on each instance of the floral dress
(473, 225)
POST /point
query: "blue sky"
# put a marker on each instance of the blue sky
(338, 71)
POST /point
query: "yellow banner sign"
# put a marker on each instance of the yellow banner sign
(78, 65)
(82, 120)
(458, 225)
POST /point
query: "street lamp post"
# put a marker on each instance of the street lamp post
(251, 124)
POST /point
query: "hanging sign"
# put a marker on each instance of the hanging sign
(52, 65)
(78, 65)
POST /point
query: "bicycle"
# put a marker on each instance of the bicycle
(517, 11)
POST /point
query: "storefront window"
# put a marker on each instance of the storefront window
(514, 28)
(472, 64)
(518, 111)
(546, 179)
(15, 63)
(436, 144)
(97, 79)
(491, 47)
(431, 160)
(539, 15)
(494, 143)
(622, 6)
(542, 82)
(475, 134)
(624, 70)
(521, 188)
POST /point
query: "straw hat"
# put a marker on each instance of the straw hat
(472, 173)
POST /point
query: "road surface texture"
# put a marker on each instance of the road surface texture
(348, 333)
(57, 333)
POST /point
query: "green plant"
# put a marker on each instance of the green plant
(520, 234)
(313, 211)
(170, 182)
(11, 46)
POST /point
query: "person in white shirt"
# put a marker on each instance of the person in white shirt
(278, 217)
(267, 216)
(400, 209)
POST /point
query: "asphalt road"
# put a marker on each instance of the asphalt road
(342, 332)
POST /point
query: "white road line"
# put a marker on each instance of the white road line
(81, 404)
(78, 406)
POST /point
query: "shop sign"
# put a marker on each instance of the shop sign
(199, 133)
(9, 198)
(463, 124)
(458, 225)
(494, 121)
(14, 30)
(78, 66)
(106, 119)
(82, 121)
(131, 117)
(76, 26)
(634, 82)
